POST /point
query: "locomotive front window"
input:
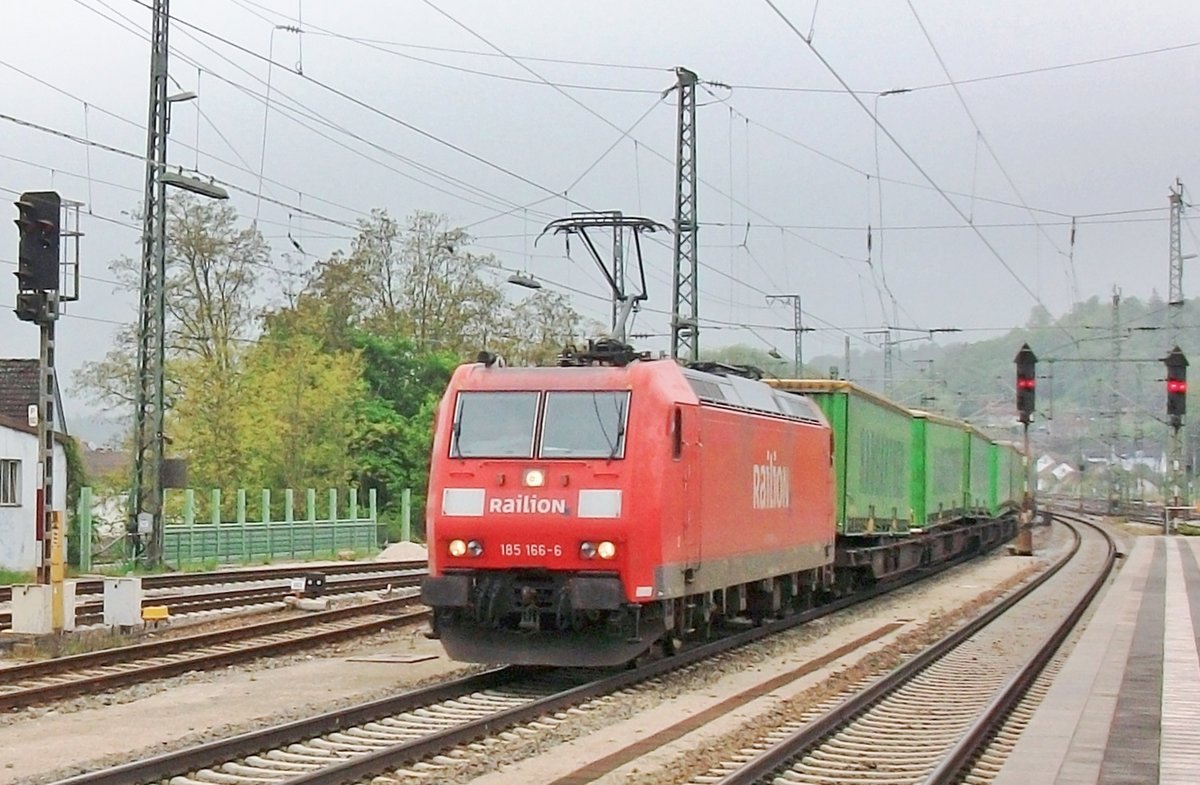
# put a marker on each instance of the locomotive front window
(494, 425)
(584, 425)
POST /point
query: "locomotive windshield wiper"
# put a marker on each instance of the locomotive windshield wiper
(456, 446)
(616, 447)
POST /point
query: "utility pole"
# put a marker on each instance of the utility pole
(1114, 402)
(685, 327)
(886, 333)
(798, 329)
(1175, 305)
(146, 495)
(1175, 299)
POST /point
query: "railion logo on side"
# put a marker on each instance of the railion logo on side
(528, 503)
(772, 489)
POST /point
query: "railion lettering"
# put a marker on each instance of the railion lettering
(772, 485)
(526, 504)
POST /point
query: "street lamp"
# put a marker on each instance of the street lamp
(526, 280)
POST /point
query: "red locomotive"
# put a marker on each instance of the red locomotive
(580, 515)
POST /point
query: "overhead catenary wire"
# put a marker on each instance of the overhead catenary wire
(302, 111)
(981, 136)
(908, 156)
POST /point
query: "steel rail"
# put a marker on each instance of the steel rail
(218, 752)
(64, 666)
(998, 710)
(404, 575)
(793, 746)
(166, 765)
(234, 598)
(174, 580)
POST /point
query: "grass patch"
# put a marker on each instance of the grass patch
(9, 577)
(1190, 529)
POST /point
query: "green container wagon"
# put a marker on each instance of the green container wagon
(872, 445)
(1008, 485)
(979, 474)
(939, 461)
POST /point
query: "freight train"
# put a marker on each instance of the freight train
(583, 515)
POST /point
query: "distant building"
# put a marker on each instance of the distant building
(19, 457)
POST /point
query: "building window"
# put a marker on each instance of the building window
(10, 482)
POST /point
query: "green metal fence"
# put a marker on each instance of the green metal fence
(190, 542)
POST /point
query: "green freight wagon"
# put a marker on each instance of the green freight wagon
(1008, 483)
(872, 445)
(939, 469)
(979, 474)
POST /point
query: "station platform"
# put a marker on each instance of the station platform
(1125, 709)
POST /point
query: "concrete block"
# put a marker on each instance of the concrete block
(32, 608)
(312, 604)
(122, 602)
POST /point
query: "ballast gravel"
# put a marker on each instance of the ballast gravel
(148, 719)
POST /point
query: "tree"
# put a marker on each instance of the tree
(212, 267)
(395, 418)
(538, 327)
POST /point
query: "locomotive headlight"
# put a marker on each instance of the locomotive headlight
(587, 550)
(606, 550)
(475, 548)
(534, 478)
(458, 548)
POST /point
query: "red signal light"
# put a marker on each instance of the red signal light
(1026, 383)
(1176, 386)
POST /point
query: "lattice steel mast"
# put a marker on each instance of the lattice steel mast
(146, 496)
(685, 326)
(1175, 299)
(1114, 402)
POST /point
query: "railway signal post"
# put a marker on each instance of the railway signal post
(1176, 364)
(39, 264)
(1026, 362)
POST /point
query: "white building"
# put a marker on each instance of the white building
(20, 481)
(19, 475)
(19, 485)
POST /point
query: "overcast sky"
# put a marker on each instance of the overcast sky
(506, 115)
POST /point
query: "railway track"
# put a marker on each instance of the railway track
(426, 729)
(84, 674)
(375, 576)
(930, 718)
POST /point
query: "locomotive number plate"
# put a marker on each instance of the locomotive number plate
(529, 549)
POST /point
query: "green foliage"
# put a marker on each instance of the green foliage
(395, 422)
(76, 479)
(10, 577)
(300, 424)
(341, 384)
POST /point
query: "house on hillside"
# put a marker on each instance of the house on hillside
(19, 456)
